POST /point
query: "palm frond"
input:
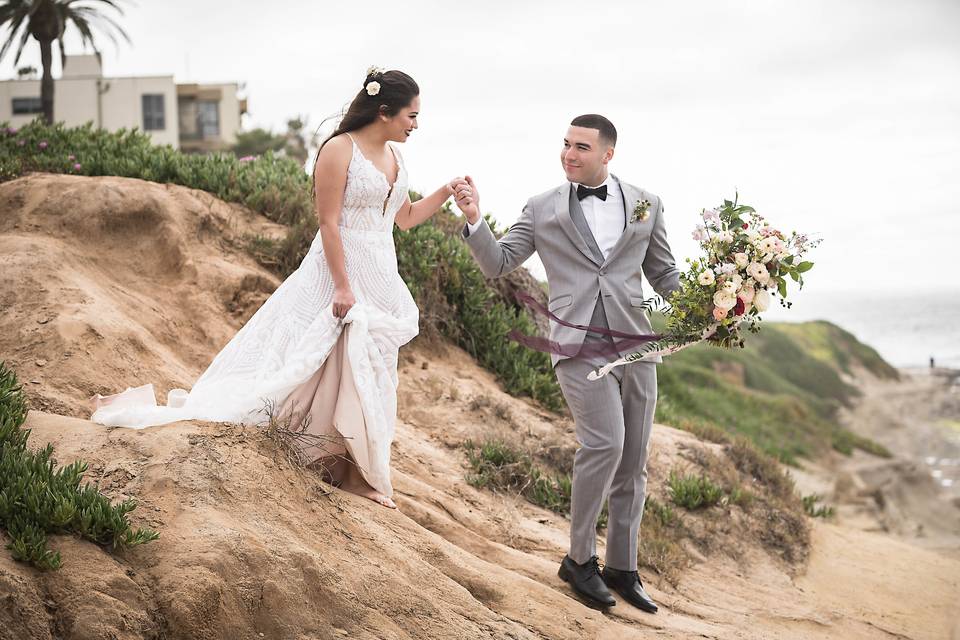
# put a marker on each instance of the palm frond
(16, 24)
(86, 23)
(57, 15)
(109, 24)
(23, 43)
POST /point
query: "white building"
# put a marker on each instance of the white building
(190, 117)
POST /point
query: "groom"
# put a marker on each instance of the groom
(596, 235)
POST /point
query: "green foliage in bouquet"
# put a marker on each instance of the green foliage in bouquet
(38, 498)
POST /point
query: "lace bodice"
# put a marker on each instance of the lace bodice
(369, 202)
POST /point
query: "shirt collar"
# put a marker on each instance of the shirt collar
(611, 183)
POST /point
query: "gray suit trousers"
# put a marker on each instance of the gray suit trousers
(614, 417)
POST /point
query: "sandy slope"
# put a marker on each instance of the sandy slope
(109, 282)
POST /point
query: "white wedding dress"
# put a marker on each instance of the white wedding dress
(282, 352)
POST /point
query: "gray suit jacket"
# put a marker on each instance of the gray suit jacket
(580, 280)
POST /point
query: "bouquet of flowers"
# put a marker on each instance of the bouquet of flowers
(745, 264)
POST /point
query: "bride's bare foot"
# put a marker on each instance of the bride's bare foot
(363, 489)
(354, 483)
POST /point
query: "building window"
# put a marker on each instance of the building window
(153, 114)
(199, 119)
(25, 106)
(208, 119)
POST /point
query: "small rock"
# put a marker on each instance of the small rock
(425, 365)
(41, 363)
(34, 382)
(43, 320)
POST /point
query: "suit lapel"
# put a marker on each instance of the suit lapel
(563, 196)
(628, 229)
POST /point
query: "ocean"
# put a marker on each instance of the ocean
(907, 329)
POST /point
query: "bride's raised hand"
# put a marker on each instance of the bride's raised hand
(451, 187)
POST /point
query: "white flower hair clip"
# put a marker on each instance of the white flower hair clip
(373, 88)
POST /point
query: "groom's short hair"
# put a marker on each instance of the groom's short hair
(595, 121)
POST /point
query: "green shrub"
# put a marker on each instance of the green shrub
(498, 465)
(38, 498)
(693, 491)
(760, 468)
(814, 511)
(457, 302)
(275, 186)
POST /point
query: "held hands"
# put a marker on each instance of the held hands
(467, 198)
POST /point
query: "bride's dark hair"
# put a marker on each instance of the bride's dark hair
(397, 90)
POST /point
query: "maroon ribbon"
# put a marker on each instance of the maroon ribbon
(626, 342)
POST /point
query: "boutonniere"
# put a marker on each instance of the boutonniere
(641, 211)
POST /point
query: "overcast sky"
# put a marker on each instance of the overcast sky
(838, 118)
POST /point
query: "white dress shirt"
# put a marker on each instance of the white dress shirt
(604, 217)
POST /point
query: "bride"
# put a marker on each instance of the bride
(323, 348)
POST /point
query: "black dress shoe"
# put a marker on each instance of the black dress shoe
(628, 585)
(586, 582)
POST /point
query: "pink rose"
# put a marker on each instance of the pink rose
(719, 314)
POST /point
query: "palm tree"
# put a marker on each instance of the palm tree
(45, 21)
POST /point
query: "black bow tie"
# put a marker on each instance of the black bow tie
(583, 192)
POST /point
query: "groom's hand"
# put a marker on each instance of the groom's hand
(468, 200)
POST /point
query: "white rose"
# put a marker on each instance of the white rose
(728, 268)
(747, 294)
(752, 234)
(706, 278)
(769, 247)
(759, 273)
(733, 283)
(762, 300)
(725, 237)
(724, 299)
(373, 88)
(741, 259)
